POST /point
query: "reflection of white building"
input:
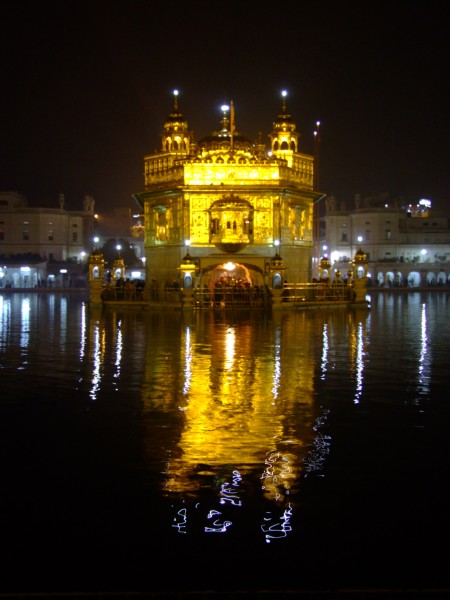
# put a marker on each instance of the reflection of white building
(35, 241)
(404, 245)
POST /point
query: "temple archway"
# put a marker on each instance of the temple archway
(232, 273)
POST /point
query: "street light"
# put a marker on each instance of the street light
(276, 243)
(316, 182)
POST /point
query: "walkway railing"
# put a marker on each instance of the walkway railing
(317, 292)
(234, 297)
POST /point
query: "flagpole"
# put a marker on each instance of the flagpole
(232, 124)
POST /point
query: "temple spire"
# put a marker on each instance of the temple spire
(175, 101)
(176, 137)
(283, 103)
(284, 137)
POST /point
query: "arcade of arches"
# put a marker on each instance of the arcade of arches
(413, 278)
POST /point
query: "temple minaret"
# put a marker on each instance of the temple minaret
(284, 137)
(176, 137)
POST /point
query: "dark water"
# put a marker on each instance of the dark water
(158, 451)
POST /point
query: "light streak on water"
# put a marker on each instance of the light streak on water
(278, 528)
(424, 358)
(83, 331)
(118, 354)
(276, 365)
(325, 347)
(187, 362)
(5, 322)
(315, 459)
(230, 343)
(359, 362)
(229, 492)
(96, 353)
(25, 323)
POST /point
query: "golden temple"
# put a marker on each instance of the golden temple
(224, 208)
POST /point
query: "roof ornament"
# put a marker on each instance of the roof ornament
(228, 123)
(283, 105)
(175, 101)
(225, 122)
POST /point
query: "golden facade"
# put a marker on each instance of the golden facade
(227, 201)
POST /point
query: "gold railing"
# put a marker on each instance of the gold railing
(236, 296)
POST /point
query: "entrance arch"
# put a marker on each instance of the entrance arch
(231, 273)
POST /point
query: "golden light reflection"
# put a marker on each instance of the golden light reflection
(358, 352)
(277, 367)
(230, 404)
(359, 365)
(233, 438)
(187, 364)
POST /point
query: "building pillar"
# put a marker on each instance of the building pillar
(96, 276)
(187, 273)
(360, 277)
(324, 270)
(276, 272)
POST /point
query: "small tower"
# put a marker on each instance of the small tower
(96, 275)
(284, 137)
(360, 276)
(324, 270)
(276, 270)
(188, 270)
(118, 269)
(176, 137)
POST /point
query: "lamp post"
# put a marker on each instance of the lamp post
(316, 206)
(188, 269)
(316, 236)
(118, 266)
(276, 243)
(316, 177)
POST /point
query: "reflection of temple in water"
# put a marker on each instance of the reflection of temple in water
(236, 388)
(227, 204)
(227, 404)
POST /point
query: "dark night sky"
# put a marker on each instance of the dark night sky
(87, 87)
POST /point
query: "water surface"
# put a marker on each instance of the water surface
(147, 451)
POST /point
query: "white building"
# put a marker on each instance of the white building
(34, 242)
(404, 245)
